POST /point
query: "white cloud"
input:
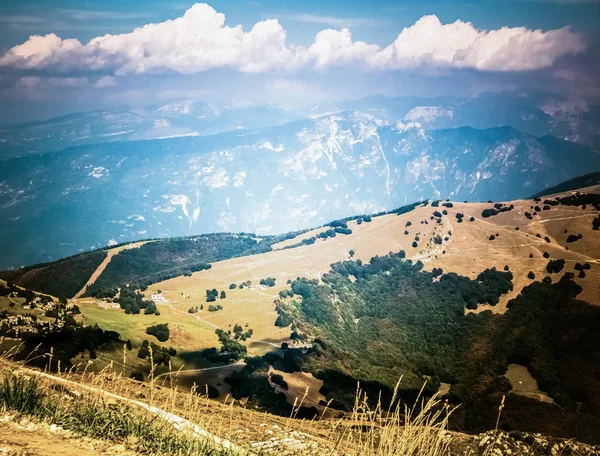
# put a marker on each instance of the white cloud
(28, 82)
(199, 41)
(105, 81)
(336, 47)
(460, 45)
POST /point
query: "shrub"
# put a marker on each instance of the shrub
(269, 281)
(555, 266)
(137, 375)
(160, 331)
(278, 380)
(531, 275)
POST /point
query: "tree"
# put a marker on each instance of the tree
(150, 308)
(223, 295)
(278, 380)
(129, 345)
(137, 375)
(143, 351)
(531, 275)
(160, 331)
(555, 266)
(233, 286)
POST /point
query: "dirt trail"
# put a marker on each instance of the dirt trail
(41, 439)
(100, 269)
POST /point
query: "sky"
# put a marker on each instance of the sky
(63, 56)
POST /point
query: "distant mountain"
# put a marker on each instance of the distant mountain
(176, 119)
(538, 114)
(283, 178)
(587, 180)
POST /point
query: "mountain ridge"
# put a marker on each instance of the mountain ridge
(183, 186)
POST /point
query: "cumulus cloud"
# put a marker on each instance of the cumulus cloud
(199, 41)
(460, 45)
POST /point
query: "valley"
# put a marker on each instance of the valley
(440, 237)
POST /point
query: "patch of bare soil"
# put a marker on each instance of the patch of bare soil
(20, 436)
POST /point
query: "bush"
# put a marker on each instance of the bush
(269, 281)
(278, 380)
(531, 275)
(233, 286)
(160, 331)
(555, 266)
(137, 375)
(573, 238)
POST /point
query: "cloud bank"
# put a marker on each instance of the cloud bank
(200, 41)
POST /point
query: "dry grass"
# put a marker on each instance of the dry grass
(151, 419)
(192, 421)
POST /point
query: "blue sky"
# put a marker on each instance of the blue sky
(297, 55)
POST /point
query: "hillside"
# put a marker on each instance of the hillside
(587, 180)
(494, 294)
(266, 181)
(108, 414)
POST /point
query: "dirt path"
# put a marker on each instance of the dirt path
(24, 437)
(204, 369)
(100, 269)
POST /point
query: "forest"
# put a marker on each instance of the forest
(393, 320)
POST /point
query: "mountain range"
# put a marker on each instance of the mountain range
(185, 167)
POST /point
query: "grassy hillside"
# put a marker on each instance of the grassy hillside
(63, 278)
(106, 413)
(452, 293)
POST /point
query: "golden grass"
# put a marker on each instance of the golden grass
(397, 430)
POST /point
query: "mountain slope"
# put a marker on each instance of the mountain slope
(538, 114)
(268, 181)
(514, 288)
(175, 119)
(587, 180)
